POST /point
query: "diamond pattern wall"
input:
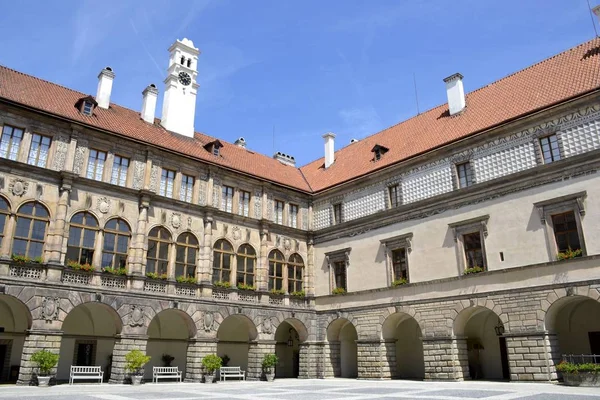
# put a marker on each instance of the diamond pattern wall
(581, 138)
(365, 202)
(427, 184)
(321, 217)
(507, 161)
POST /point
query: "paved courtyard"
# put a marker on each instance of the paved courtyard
(307, 390)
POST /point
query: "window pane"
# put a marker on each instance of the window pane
(122, 243)
(22, 227)
(109, 242)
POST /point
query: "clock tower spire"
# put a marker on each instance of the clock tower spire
(179, 102)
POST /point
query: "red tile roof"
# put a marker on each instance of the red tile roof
(566, 75)
(52, 98)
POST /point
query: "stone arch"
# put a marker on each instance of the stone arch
(341, 348)
(123, 218)
(403, 339)
(245, 244)
(289, 334)
(15, 319)
(478, 329)
(326, 323)
(155, 225)
(185, 319)
(76, 299)
(72, 213)
(42, 202)
(234, 334)
(9, 204)
(89, 334)
(225, 238)
(573, 320)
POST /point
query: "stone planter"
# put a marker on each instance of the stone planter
(270, 374)
(582, 379)
(136, 380)
(44, 381)
(209, 378)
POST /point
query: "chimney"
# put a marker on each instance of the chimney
(285, 158)
(150, 95)
(456, 93)
(329, 149)
(240, 142)
(105, 81)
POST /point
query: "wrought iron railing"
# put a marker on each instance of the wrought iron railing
(581, 358)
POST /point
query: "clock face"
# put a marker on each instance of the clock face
(185, 78)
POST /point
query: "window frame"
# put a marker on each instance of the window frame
(243, 208)
(341, 259)
(165, 177)
(29, 239)
(186, 246)
(551, 148)
(11, 142)
(294, 284)
(278, 217)
(115, 254)
(469, 178)
(337, 213)
(293, 215)
(116, 175)
(4, 215)
(243, 259)
(39, 150)
(273, 276)
(465, 227)
(186, 191)
(221, 253)
(85, 254)
(157, 260)
(404, 241)
(227, 196)
(96, 165)
(395, 195)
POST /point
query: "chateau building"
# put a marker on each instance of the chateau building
(463, 243)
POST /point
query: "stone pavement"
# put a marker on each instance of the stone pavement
(292, 389)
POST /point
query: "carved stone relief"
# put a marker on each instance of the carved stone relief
(216, 192)
(176, 220)
(139, 166)
(18, 187)
(258, 204)
(267, 326)
(60, 155)
(236, 233)
(79, 156)
(50, 308)
(103, 205)
(136, 316)
(154, 177)
(208, 322)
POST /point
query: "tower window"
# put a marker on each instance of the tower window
(189, 62)
(182, 60)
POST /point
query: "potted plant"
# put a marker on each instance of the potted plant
(76, 266)
(156, 276)
(268, 364)
(114, 271)
(473, 270)
(186, 279)
(167, 359)
(399, 282)
(134, 363)
(210, 364)
(46, 361)
(338, 291)
(243, 286)
(568, 254)
(585, 374)
(222, 284)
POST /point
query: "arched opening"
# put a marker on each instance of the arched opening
(234, 335)
(289, 334)
(343, 352)
(576, 322)
(15, 319)
(88, 338)
(405, 331)
(486, 347)
(168, 335)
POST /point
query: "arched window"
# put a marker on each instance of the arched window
(82, 238)
(246, 263)
(116, 243)
(276, 264)
(222, 261)
(30, 233)
(182, 60)
(159, 240)
(187, 254)
(295, 273)
(4, 211)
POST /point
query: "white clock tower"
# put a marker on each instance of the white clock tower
(179, 103)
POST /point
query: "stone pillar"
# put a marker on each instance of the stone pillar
(205, 265)
(445, 358)
(332, 363)
(35, 340)
(57, 232)
(310, 360)
(309, 283)
(7, 239)
(256, 352)
(136, 263)
(123, 345)
(197, 349)
(370, 354)
(532, 356)
(262, 272)
(388, 359)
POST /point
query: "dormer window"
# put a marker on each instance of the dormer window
(214, 147)
(378, 152)
(86, 105)
(216, 150)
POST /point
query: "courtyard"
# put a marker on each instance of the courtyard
(292, 389)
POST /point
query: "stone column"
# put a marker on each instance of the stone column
(137, 268)
(123, 345)
(256, 352)
(57, 231)
(388, 359)
(370, 354)
(532, 356)
(262, 270)
(6, 240)
(205, 267)
(332, 364)
(197, 349)
(35, 340)
(445, 358)
(310, 360)
(309, 284)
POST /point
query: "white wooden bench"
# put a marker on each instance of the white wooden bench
(166, 373)
(231, 372)
(88, 373)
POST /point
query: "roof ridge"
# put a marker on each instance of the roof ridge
(45, 81)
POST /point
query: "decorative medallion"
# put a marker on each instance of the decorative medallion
(50, 308)
(176, 220)
(287, 244)
(267, 326)
(136, 317)
(208, 321)
(18, 186)
(103, 205)
(236, 233)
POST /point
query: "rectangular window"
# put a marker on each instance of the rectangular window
(337, 213)
(119, 171)
(38, 152)
(87, 108)
(565, 232)
(10, 142)
(395, 196)
(293, 217)
(465, 175)
(96, 164)
(167, 179)
(227, 199)
(187, 188)
(473, 250)
(550, 149)
(279, 211)
(400, 264)
(340, 275)
(244, 203)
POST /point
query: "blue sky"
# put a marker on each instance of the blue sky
(300, 68)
